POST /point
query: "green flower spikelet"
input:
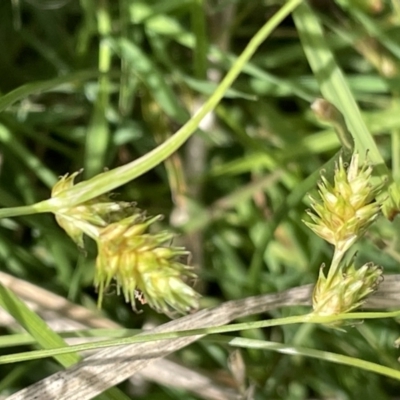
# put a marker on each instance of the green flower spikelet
(347, 290)
(141, 264)
(87, 217)
(347, 207)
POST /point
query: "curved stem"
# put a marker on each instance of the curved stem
(112, 179)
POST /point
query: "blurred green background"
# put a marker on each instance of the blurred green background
(96, 84)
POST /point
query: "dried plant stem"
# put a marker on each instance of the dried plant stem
(62, 315)
(111, 366)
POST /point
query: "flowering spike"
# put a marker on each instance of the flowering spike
(345, 291)
(140, 263)
(87, 217)
(348, 206)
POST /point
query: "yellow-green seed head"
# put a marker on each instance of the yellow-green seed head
(88, 217)
(345, 291)
(347, 207)
(137, 261)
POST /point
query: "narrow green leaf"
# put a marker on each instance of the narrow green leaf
(45, 86)
(152, 78)
(39, 330)
(333, 85)
(44, 336)
(97, 136)
(27, 157)
(311, 353)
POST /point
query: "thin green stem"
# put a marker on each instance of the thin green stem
(306, 318)
(199, 29)
(396, 155)
(97, 136)
(303, 351)
(18, 211)
(336, 259)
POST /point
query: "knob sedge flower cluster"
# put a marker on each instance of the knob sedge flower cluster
(347, 290)
(138, 262)
(346, 209)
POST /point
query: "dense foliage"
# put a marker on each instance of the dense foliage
(97, 84)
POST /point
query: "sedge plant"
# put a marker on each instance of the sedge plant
(142, 265)
(346, 209)
(146, 266)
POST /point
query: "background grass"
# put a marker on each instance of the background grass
(97, 84)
